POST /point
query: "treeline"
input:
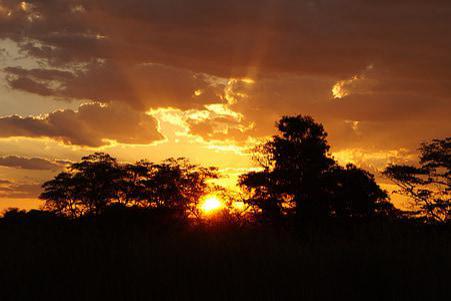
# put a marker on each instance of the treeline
(98, 181)
(298, 169)
(298, 180)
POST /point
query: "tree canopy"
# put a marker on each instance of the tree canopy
(299, 174)
(429, 183)
(98, 180)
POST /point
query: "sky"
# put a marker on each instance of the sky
(208, 79)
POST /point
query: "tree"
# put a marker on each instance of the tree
(353, 192)
(60, 196)
(429, 184)
(96, 178)
(86, 188)
(131, 185)
(263, 194)
(98, 181)
(297, 169)
(177, 184)
(294, 164)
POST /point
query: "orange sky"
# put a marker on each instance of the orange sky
(207, 79)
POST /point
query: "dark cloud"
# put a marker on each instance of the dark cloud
(4, 182)
(29, 163)
(404, 41)
(20, 190)
(232, 38)
(142, 86)
(91, 125)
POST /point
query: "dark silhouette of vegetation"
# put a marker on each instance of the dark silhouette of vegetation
(87, 187)
(353, 192)
(131, 253)
(309, 229)
(428, 185)
(98, 180)
(299, 175)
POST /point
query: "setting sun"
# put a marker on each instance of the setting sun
(211, 203)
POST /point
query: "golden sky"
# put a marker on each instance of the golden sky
(207, 79)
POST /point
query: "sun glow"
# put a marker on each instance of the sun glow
(210, 204)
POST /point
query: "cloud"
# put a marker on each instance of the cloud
(92, 125)
(141, 86)
(232, 38)
(20, 190)
(29, 163)
(375, 161)
(386, 118)
(369, 116)
(3, 182)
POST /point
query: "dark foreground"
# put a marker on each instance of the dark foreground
(142, 257)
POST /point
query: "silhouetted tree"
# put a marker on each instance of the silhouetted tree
(294, 164)
(297, 168)
(177, 184)
(428, 185)
(60, 195)
(98, 181)
(353, 192)
(86, 188)
(32, 217)
(96, 178)
(132, 188)
(261, 195)
(13, 213)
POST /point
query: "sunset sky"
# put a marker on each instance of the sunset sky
(207, 79)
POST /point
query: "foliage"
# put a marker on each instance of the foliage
(297, 171)
(178, 184)
(428, 185)
(98, 180)
(354, 193)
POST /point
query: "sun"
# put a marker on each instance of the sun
(210, 204)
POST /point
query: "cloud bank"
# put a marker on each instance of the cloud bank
(93, 125)
(30, 163)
